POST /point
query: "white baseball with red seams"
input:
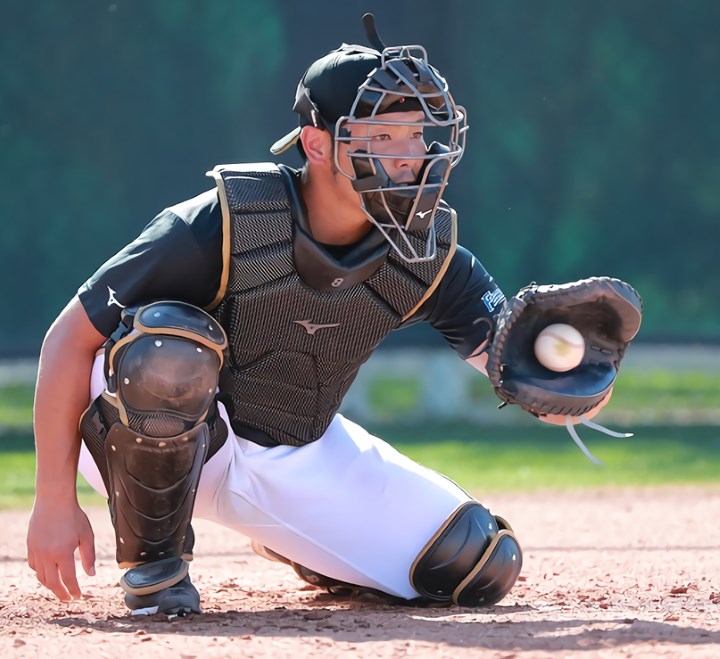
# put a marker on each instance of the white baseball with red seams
(560, 347)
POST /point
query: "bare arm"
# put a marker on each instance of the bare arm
(57, 524)
(478, 359)
(62, 394)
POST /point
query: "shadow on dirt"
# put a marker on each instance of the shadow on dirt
(464, 628)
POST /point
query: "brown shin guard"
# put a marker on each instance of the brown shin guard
(152, 489)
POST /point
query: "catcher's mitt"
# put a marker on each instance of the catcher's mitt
(606, 311)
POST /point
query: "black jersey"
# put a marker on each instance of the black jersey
(178, 256)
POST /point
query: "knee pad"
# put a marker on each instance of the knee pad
(473, 560)
(163, 367)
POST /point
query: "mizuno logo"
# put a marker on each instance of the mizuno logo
(112, 299)
(422, 214)
(311, 327)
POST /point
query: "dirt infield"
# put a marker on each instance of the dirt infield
(622, 573)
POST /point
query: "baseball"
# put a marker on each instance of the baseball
(559, 347)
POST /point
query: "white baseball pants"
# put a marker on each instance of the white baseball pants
(348, 505)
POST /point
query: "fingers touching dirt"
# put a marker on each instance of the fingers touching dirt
(51, 551)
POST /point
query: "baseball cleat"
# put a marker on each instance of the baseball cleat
(178, 600)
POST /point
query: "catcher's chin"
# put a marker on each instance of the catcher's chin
(559, 419)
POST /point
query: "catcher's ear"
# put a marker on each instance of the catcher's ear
(317, 145)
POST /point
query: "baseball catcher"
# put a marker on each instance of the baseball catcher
(219, 344)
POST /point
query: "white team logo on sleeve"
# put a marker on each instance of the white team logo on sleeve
(112, 299)
(492, 299)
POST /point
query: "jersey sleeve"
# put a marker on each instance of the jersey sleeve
(465, 305)
(178, 256)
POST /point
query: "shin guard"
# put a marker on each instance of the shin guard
(152, 490)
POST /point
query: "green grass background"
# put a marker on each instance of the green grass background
(511, 457)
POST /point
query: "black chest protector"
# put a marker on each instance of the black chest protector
(302, 318)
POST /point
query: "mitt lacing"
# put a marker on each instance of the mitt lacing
(595, 426)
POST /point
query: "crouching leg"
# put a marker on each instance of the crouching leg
(473, 560)
(149, 433)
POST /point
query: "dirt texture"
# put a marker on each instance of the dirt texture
(621, 573)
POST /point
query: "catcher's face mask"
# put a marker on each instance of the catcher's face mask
(403, 211)
(347, 92)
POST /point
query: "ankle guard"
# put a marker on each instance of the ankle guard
(151, 577)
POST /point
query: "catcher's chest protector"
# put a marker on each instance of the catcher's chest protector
(294, 350)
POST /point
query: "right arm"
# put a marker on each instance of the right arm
(58, 526)
(464, 308)
(177, 256)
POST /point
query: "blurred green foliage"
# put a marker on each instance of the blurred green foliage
(523, 454)
(593, 149)
(16, 403)
(544, 457)
(663, 390)
(17, 474)
(640, 395)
